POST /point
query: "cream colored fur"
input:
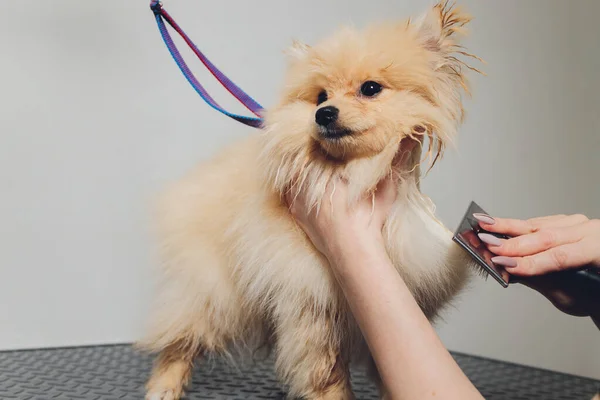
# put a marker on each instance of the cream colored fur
(238, 272)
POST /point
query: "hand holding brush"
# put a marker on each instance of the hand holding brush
(558, 256)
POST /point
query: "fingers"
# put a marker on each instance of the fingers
(507, 226)
(407, 145)
(334, 200)
(532, 243)
(291, 198)
(488, 256)
(302, 203)
(296, 200)
(571, 255)
(557, 221)
(517, 227)
(558, 243)
(386, 192)
(403, 156)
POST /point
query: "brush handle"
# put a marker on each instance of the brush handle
(588, 279)
(575, 292)
(592, 274)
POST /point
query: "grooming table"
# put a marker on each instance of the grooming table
(119, 372)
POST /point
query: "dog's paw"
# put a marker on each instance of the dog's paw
(167, 383)
(162, 395)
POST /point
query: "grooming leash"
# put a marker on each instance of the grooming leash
(161, 16)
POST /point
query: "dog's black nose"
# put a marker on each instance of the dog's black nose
(326, 115)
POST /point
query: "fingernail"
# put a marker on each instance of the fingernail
(489, 239)
(486, 219)
(507, 262)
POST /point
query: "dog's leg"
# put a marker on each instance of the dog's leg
(171, 372)
(197, 311)
(310, 359)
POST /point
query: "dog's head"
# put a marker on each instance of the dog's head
(349, 100)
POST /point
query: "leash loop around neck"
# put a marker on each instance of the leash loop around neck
(161, 16)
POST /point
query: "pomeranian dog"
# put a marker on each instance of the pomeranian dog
(238, 273)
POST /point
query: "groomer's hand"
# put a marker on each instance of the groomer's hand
(542, 245)
(337, 225)
(542, 251)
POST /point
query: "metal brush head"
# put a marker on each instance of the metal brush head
(466, 237)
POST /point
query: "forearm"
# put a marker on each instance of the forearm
(411, 359)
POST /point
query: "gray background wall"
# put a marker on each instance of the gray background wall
(95, 118)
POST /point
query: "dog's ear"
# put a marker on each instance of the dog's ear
(297, 51)
(438, 31)
(438, 28)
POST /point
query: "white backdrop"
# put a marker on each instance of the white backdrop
(95, 118)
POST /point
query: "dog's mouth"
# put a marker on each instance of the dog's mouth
(333, 147)
(334, 132)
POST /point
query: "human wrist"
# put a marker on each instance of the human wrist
(352, 249)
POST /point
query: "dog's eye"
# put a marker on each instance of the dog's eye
(322, 97)
(370, 88)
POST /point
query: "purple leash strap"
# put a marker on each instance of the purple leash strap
(161, 16)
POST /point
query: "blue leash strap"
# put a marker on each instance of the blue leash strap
(161, 16)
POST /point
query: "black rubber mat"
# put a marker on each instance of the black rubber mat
(118, 372)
